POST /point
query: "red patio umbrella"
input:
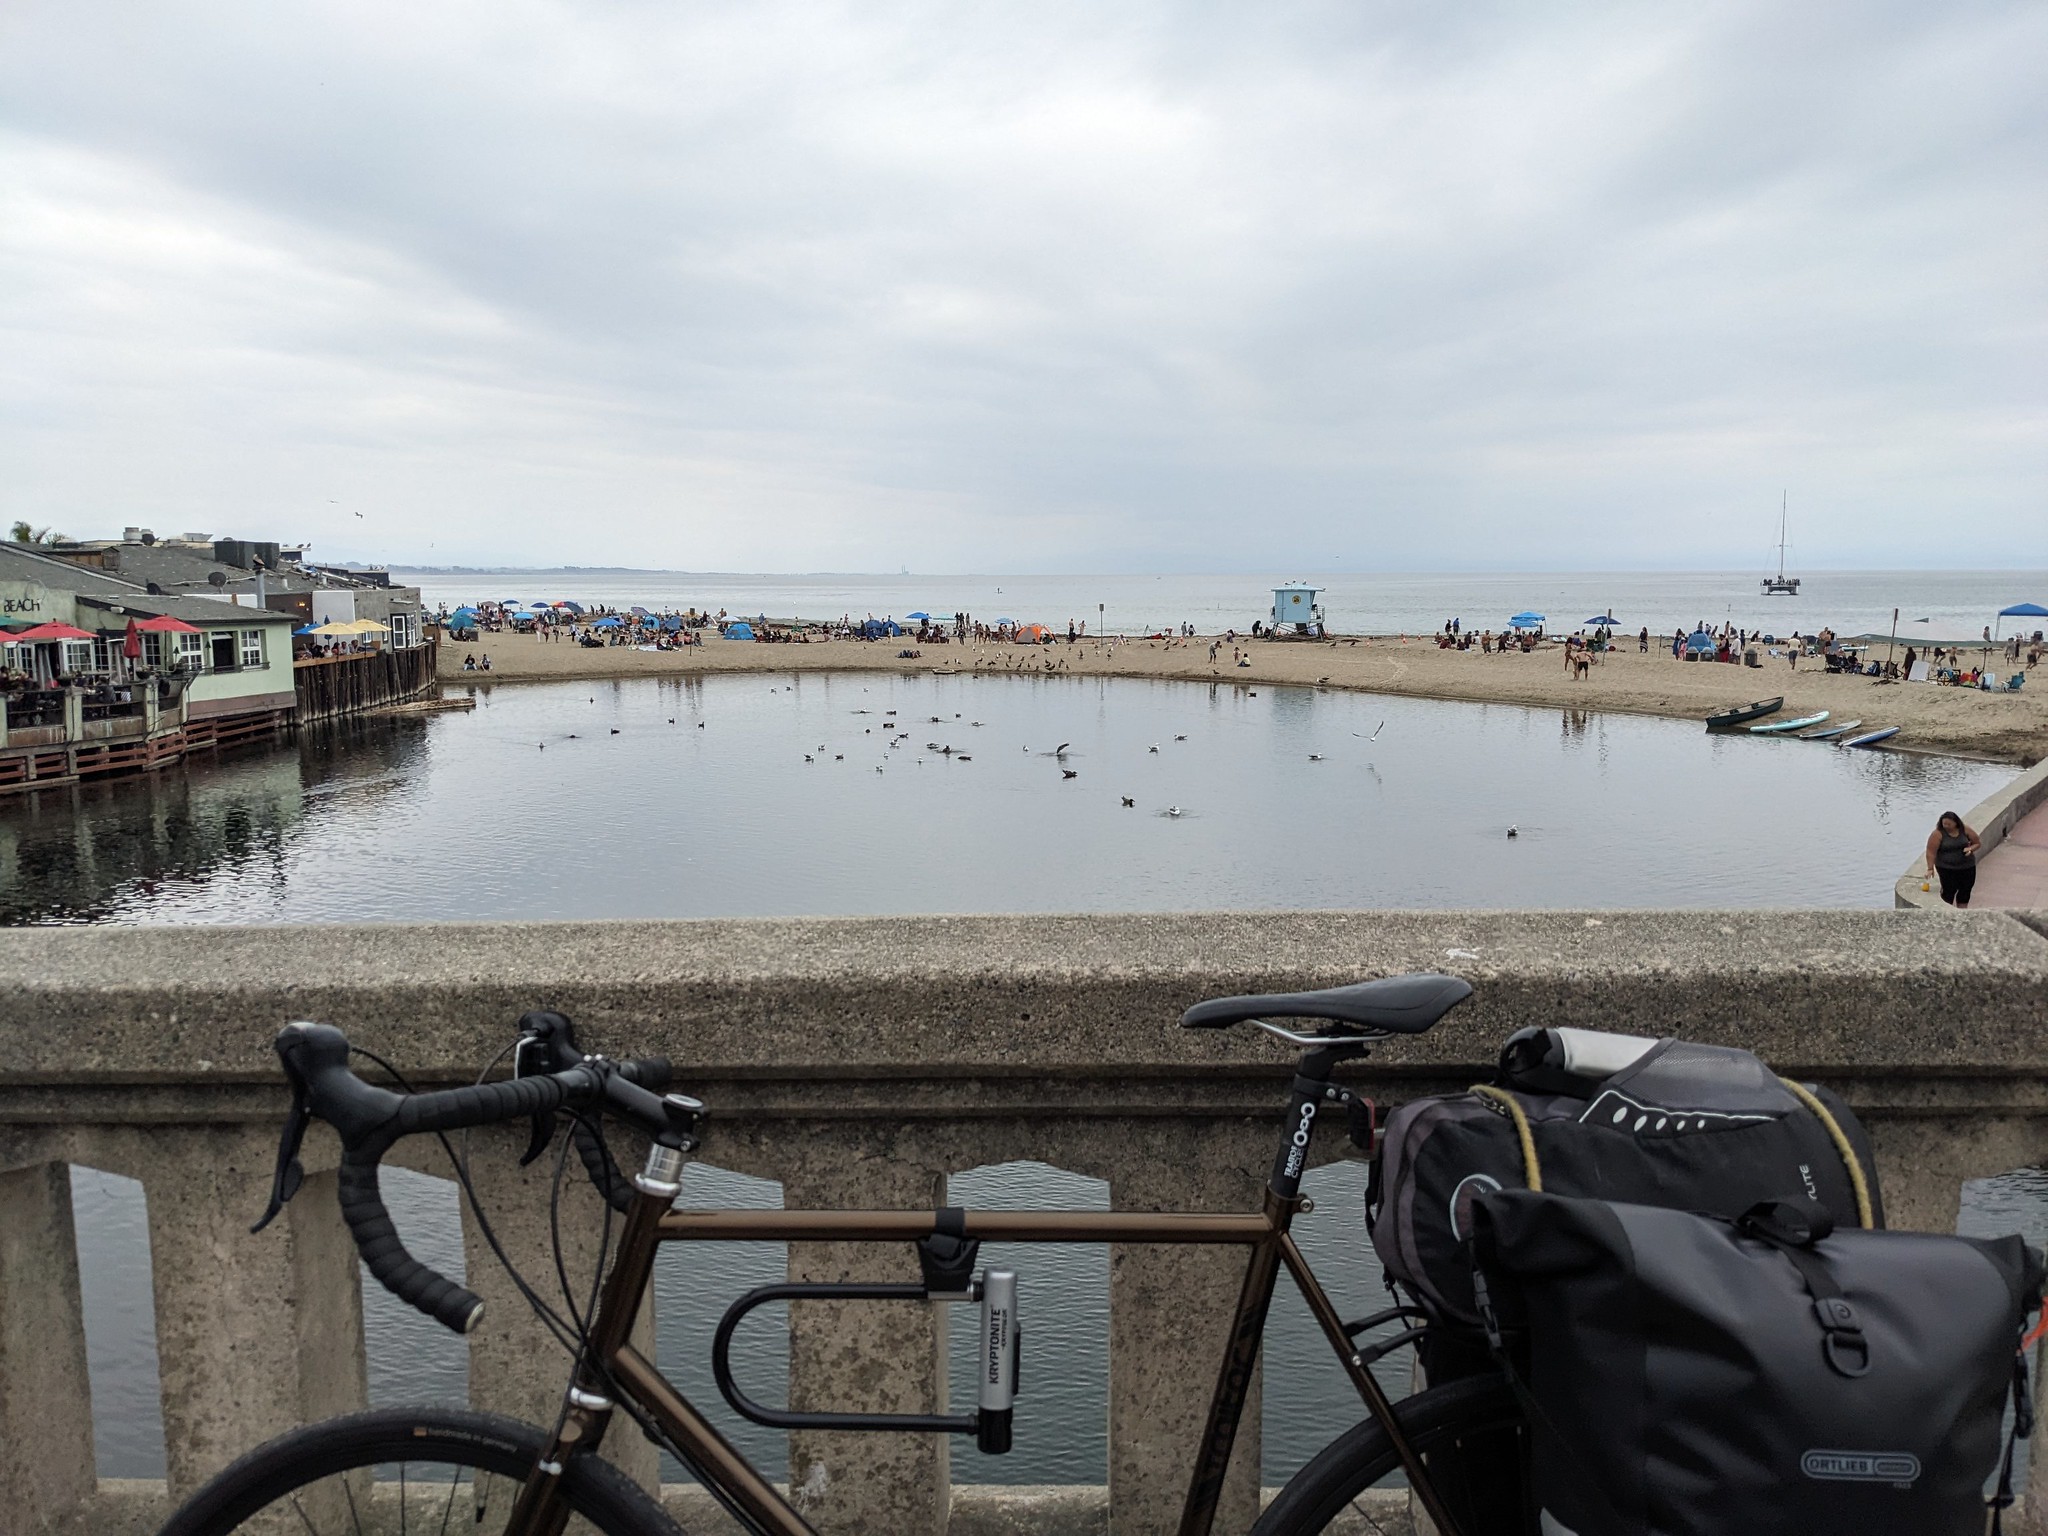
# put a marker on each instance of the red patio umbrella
(164, 624)
(54, 632)
(131, 642)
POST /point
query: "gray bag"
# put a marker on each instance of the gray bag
(1767, 1377)
(1665, 1122)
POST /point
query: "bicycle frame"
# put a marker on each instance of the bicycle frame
(753, 1501)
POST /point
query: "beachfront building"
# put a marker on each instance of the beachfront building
(258, 574)
(1295, 610)
(102, 675)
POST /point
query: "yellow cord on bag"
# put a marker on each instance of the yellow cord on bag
(1531, 1169)
(1857, 1182)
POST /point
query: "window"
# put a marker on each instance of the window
(252, 648)
(223, 643)
(103, 653)
(78, 656)
(405, 631)
(191, 653)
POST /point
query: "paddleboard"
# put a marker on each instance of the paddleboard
(1870, 738)
(1831, 732)
(1782, 727)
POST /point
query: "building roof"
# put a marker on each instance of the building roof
(101, 590)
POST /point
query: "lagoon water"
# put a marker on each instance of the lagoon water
(702, 804)
(695, 798)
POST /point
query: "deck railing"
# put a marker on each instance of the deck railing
(859, 1063)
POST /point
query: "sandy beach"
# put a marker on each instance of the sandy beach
(2002, 727)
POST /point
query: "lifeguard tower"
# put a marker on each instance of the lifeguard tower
(1295, 611)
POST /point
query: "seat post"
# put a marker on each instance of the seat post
(1309, 1093)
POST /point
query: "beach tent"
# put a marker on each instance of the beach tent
(875, 629)
(2023, 611)
(1602, 618)
(572, 607)
(672, 623)
(739, 629)
(1700, 641)
(1033, 634)
(1526, 621)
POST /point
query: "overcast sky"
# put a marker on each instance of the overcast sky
(1031, 287)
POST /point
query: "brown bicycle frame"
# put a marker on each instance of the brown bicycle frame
(748, 1496)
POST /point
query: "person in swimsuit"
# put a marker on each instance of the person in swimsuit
(1952, 854)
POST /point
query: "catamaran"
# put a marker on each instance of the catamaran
(1781, 585)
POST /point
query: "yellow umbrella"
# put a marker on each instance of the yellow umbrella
(335, 628)
(369, 627)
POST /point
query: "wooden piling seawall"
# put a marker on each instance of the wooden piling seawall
(332, 686)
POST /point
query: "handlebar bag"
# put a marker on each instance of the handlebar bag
(1694, 1127)
(1688, 1376)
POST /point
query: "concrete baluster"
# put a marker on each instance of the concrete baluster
(864, 1356)
(256, 1333)
(45, 1407)
(1169, 1322)
(515, 1366)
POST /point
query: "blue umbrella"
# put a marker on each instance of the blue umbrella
(1526, 620)
(917, 616)
(573, 607)
(609, 623)
(1006, 621)
(1603, 618)
(306, 631)
(2024, 611)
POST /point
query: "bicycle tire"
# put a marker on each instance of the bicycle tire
(1323, 1495)
(270, 1489)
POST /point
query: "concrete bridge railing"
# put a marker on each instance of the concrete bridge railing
(859, 1062)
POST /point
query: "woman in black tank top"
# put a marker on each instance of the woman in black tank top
(1952, 854)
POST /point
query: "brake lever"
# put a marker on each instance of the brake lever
(546, 1123)
(291, 1173)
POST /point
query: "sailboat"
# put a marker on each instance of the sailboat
(1781, 585)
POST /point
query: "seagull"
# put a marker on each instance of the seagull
(808, 758)
(700, 725)
(1315, 757)
(1129, 801)
(671, 719)
(1513, 832)
(1153, 748)
(1173, 810)
(1070, 773)
(1061, 749)
(615, 730)
(838, 757)
(1375, 736)
(1180, 738)
(962, 757)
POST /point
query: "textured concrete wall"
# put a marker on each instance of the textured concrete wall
(859, 1062)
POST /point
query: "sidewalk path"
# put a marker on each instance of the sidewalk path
(2015, 873)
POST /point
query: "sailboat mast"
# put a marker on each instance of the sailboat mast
(1783, 498)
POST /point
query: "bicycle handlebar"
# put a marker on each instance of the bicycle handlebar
(370, 1119)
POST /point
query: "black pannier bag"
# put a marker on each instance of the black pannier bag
(1613, 1117)
(1770, 1376)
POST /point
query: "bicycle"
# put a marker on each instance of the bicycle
(515, 1479)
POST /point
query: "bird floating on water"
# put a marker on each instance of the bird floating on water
(1180, 738)
(615, 730)
(1315, 757)
(1129, 801)
(1070, 773)
(1173, 810)
(1153, 748)
(1513, 831)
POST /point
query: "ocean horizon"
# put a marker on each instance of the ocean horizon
(1932, 606)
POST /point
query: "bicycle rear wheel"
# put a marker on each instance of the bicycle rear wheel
(1467, 1433)
(406, 1472)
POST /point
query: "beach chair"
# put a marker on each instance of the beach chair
(2012, 684)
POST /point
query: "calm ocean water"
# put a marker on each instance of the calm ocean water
(1934, 605)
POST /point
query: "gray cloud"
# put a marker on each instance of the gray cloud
(1044, 287)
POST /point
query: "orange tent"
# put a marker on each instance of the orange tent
(1032, 634)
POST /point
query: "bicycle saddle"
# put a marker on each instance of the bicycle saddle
(1402, 1005)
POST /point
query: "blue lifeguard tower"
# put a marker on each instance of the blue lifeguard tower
(1295, 610)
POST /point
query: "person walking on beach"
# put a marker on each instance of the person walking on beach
(1952, 850)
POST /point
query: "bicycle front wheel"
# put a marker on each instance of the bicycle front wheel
(1468, 1434)
(401, 1471)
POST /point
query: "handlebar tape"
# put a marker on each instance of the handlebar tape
(369, 1119)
